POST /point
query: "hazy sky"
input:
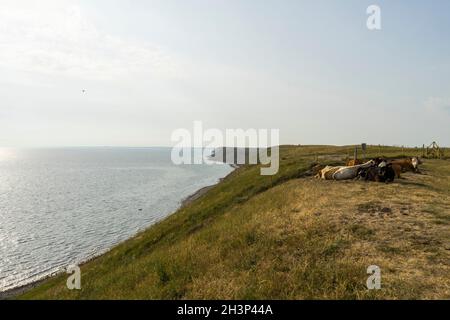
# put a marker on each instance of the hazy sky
(310, 68)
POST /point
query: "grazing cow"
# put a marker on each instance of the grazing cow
(346, 173)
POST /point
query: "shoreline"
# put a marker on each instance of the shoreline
(200, 192)
(14, 292)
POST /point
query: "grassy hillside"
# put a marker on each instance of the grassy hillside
(286, 237)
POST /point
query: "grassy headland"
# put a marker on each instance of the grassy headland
(289, 236)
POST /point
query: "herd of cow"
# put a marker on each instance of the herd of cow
(378, 169)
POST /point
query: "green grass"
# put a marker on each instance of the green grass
(284, 237)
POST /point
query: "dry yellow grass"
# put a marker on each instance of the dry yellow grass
(357, 224)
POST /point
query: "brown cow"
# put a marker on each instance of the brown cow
(353, 162)
(407, 164)
(397, 169)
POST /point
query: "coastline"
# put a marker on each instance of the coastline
(200, 192)
(14, 292)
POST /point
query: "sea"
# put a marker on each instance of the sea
(64, 206)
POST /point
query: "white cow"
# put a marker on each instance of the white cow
(346, 173)
(415, 161)
(327, 172)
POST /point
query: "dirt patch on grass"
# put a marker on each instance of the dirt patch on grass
(373, 208)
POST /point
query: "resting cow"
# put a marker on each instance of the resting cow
(342, 172)
(347, 173)
(378, 174)
(397, 170)
(408, 164)
(353, 162)
(327, 172)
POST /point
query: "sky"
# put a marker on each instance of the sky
(311, 69)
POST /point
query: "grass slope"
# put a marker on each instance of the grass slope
(286, 237)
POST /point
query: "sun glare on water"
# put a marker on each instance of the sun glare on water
(6, 154)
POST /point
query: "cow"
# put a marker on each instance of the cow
(387, 174)
(379, 161)
(353, 162)
(346, 173)
(415, 161)
(342, 172)
(377, 173)
(407, 164)
(397, 170)
(327, 172)
(315, 168)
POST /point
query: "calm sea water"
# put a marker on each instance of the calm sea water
(63, 206)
